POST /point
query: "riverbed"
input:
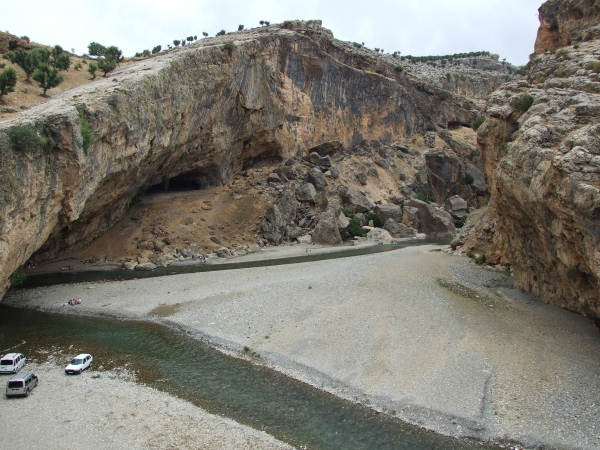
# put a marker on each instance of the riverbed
(421, 335)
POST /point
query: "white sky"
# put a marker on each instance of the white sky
(417, 27)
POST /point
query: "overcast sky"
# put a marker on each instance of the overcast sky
(417, 27)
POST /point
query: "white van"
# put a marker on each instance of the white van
(13, 362)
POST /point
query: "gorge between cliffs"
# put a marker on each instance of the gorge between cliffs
(283, 140)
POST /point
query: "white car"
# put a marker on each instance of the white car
(13, 362)
(79, 363)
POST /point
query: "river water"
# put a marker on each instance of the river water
(262, 398)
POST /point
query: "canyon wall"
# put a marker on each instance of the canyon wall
(567, 22)
(541, 149)
(206, 112)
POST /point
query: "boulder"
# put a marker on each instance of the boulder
(215, 239)
(398, 229)
(328, 148)
(326, 230)
(362, 178)
(397, 200)
(410, 217)
(317, 179)
(432, 219)
(389, 211)
(457, 207)
(306, 193)
(318, 160)
(334, 172)
(273, 225)
(273, 178)
(145, 266)
(222, 252)
(343, 221)
(286, 173)
(129, 265)
(382, 163)
(357, 201)
(287, 206)
(476, 175)
(380, 235)
(305, 239)
(146, 245)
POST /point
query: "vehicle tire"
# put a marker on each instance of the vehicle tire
(80, 371)
(27, 393)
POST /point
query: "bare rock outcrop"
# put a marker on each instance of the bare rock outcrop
(541, 150)
(567, 22)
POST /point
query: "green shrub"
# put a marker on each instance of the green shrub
(377, 222)
(402, 177)
(593, 66)
(562, 53)
(46, 143)
(176, 42)
(459, 223)
(427, 115)
(229, 46)
(348, 213)
(504, 146)
(221, 33)
(562, 74)
(354, 228)
(523, 102)
(240, 27)
(469, 178)
(156, 49)
(113, 99)
(478, 122)
(77, 66)
(398, 68)
(92, 68)
(23, 138)
(86, 132)
(18, 277)
(344, 197)
(357, 45)
(423, 198)
(8, 80)
(418, 177)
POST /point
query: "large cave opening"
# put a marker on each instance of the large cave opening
(188, 181)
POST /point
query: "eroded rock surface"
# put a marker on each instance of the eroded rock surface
(543, 162)
(201, 114)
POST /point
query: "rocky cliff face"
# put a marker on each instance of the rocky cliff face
(202, 114)
(542, 155)
(567, 22)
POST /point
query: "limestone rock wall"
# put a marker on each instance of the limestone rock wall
(204, 112)
(543, 166)
(567, 22)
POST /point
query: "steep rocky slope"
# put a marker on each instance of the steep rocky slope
(202, 114)
(542, 155)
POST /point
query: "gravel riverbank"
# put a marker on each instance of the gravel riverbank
(420, 334)
(108, 410)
